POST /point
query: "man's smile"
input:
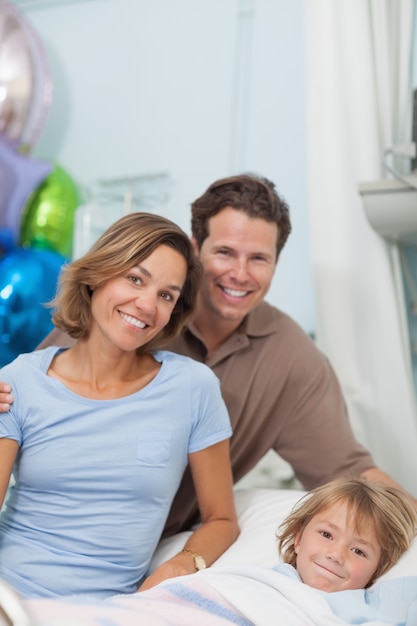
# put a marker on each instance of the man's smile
(235, 293)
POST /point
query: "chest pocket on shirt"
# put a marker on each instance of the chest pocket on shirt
(154, 447)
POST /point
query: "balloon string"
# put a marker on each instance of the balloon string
(127, 203)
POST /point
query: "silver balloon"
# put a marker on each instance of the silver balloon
(25, 81)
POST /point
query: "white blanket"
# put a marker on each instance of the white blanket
(238, 589)
(243, 595)
(267, 597)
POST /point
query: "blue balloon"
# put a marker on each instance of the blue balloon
(6, 240)
(28, 279)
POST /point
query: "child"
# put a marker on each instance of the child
(345, 534)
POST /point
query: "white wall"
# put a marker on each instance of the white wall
(198, 89)
(414, 57)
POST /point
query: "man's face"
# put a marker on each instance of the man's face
(238, 257)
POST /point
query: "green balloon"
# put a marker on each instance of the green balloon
(48, 217)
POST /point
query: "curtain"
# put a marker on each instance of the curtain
(358, 104)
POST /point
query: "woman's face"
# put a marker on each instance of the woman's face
(130, 310)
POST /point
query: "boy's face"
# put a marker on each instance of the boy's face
(333, 555)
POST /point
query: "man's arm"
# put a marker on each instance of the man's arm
(374, 474)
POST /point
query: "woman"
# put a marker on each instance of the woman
(99, 434)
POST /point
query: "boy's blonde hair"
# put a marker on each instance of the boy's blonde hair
(123, 245)
(386, 508)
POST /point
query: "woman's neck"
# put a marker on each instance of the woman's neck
(103, 374)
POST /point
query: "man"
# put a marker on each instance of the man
(280, 390)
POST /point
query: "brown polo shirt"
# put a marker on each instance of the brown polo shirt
(281, 393)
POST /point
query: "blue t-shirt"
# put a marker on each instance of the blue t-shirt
(94, 479)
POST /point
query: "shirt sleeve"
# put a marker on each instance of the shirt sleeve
(211, 423)
(9, 424)
(318, 440)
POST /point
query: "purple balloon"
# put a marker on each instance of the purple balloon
(28, 279)
(19, 176)
(25, 79)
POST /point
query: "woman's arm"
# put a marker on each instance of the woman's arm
(8, 452)
(213, 483)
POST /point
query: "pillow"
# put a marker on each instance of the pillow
(260, 511)
(406, 566)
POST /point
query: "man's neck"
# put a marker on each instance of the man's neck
(213, 329)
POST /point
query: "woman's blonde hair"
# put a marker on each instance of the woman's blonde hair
(386, 508)
(124, 244)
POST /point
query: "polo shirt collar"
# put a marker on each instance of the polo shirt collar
(258, 323)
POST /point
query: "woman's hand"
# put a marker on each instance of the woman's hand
(179, 565)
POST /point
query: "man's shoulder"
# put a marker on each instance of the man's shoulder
(181, 363)
(277, 334)
(266, 318)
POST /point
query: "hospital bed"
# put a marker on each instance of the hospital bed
(243, 588)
